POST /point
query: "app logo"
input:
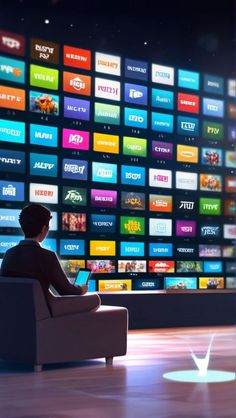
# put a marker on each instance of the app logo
(103, 198)
(160, 203)
(11, 131)
(211, 282)
(162, 122)
(160, 250)
(43, 165)
(12, 98)
(160, 227)
(74, 196)
(136, 94)
(44, 51)
(210, 231)
(133, 249)
(74, 169)
(77, 83)
(209, 250)
(230, 184)
(43, 193)
(44, 103)
(186, 251)
(187, 154)
(185, 228)
(108, 64)
(160, 178)
(108, 114)
(105, 173)
(162, 150)
(106, 143)
(136, 118)
(9, 218)
(76, 57)
(162, 74)
(210, 182)
(134, 146)
(76, 108)
(107, 89)
(185, 204)
(12, 191)
(212, 107)
(12, 161)
(212, 130)
(44, 77)
(232, 88)
(103, 224)
(12, 70)
(229, 207)
(186, 182)
(180, 283)
(74, 139)
(71, 247)
(188, 79)
(133, 200)
(136, 69)
(213, 267)
(72, 221)
(212, 157)
(163, 99)
(189, 266)
(114, 285)
(212, 84)
(187, 126)
(231, 109)
(7, 242)
(148, 284)
(132, 225)
(188, 103)
(133, 175)
(102, 248)
(43, 135)
(229, 231)
(230, 159)
(209, 206)
(12, 43)
(163, 266)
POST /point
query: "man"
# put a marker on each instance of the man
(29, 259)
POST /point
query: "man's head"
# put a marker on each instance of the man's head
(34, 220)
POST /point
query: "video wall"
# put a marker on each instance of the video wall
(135, 159)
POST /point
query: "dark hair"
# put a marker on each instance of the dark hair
(32, 219)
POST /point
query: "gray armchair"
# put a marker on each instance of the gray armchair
(33, 332)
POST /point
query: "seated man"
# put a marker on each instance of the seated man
(29, 259)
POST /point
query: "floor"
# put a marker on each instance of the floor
(134, 386)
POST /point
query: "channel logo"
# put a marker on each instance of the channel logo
(163, 99)
(7, 242)
(160, 203)
(74, 196)
(43, 193)
(105, 173)
(162, 150)
(212, 157)
(136, 69)
(132, 249)
(229, 207)
(133, 175)
(107, 89)
(71, 247)
(160, 178)
(12, 43)
(146, 284)
(162, 122)
(134, 146)
(229, 231)
(108, 64)
(77, 83)
(213, 267)
(211, 182)
(12, 98)
(136, 94)
(188, 79)
(188, 103)
(160, 250)
(11, 131)
(209, 206)
(232, 88)
(132, 225)
(103, 224)
(106, 143)
(230, 184)
(160, 227)
(185, 204)
(9, 218)
(186, 251)
(46, 136)
(210, 231)
(187, 154)
(114, 285)
(76, 57)
(107, 114)
(103, 198)
(12, 161)
(162, 74)
(230, 159)
(213, 84)
(136, 118)
(76, 108)
(44, 103)
(45, 78)
(209, 251)
(74, 169)
(187, 126)
(163, 266)
(213, 130)
(133, 200)
(12, 191)
(73, 139)
(102, 248)
(43, 165)
(188, 182)
(212, 107)
(44, 51)
(185, 228)
(12, 70)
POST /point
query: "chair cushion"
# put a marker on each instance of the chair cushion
(72, 304)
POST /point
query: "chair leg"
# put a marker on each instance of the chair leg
(38, 367)
(109, 361)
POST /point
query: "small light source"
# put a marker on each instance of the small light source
(46, 21)
(71, 25)
(145, 43)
